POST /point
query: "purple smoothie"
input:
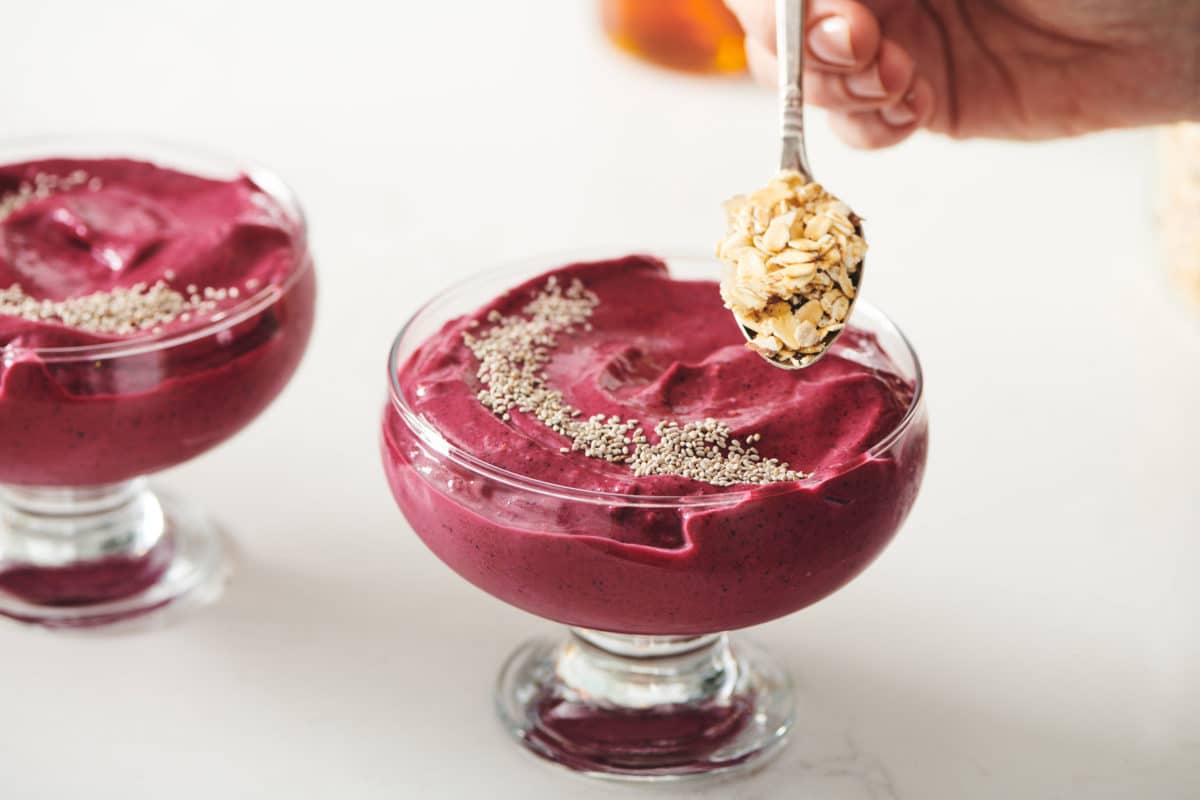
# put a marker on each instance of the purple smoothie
(76, 420)
(658, 349)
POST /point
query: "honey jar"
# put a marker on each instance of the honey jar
(699, 36)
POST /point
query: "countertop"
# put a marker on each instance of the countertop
(1033, 630)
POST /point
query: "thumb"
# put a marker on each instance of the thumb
(842, 36)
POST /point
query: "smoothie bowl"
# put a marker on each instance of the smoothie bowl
(153, 301)
(593, 443)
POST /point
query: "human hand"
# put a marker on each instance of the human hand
(1022, 69)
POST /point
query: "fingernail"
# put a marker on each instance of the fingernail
(900, 115)
(866, 84)
(830, 41)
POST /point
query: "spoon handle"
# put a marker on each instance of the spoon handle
(789, 45)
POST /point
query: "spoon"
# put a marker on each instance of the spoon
(789, 45)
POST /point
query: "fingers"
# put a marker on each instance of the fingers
(843, 35)
(869, 81)
(889, 125)
(882, 83)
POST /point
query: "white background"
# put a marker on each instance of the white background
(1032, 633)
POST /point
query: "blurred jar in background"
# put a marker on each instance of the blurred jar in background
(692, 35)
(1179, 212)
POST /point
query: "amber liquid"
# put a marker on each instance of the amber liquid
(691, 35)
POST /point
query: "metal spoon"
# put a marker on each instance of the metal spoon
(789, 45)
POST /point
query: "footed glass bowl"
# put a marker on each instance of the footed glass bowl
(83, 540)
(647, 684)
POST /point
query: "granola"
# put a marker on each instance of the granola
(792, 254)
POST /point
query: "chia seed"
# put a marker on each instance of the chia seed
(512, 356)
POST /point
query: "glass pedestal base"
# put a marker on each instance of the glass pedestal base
(93, 556)
(645, 707)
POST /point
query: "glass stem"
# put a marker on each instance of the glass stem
(638, 672)
(57, 527)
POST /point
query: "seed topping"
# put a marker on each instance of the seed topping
(122, 310)
(513, 353)
(43, 186)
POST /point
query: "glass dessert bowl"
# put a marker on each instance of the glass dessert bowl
(586, 446)
(153, 301)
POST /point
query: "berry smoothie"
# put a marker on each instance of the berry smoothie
(780, 486)
(146, 315)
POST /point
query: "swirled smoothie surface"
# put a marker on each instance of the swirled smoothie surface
(76, 228)
(656, 349)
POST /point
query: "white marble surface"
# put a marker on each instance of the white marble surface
(1032, 633)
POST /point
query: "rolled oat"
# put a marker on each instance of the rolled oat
(792, 254)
